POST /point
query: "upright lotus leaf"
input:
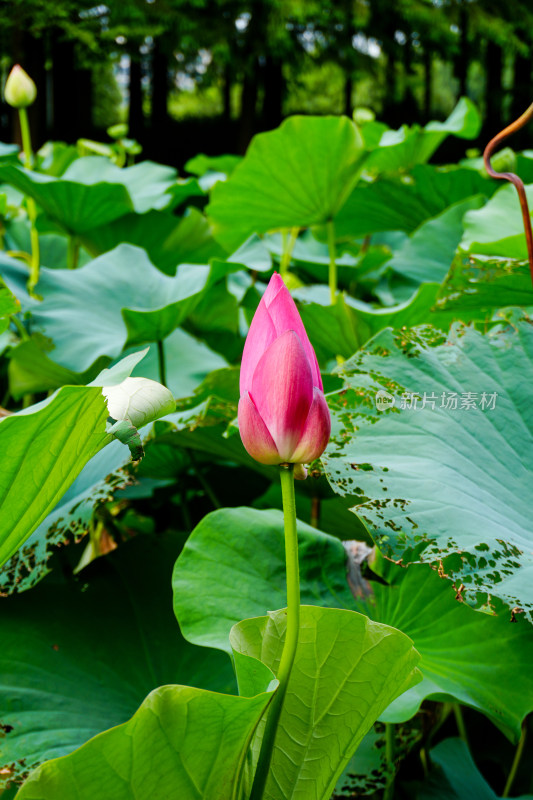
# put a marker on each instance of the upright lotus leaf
(117, 299)
(182, 741)
(456, 776)
(78, 658)
(466, 656)
(297, 175)
(497, 229)
(69, 518)
(168, 240)
(447, 473)
(43, 450)
(346, 671)
(47, 445)
(408, 146)
(404, 203)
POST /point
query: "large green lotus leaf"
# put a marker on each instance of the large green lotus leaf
(93, 191)
(79, 658)
(77, 207)
(346, 671)
(44, 448)
(456, 777)
(475, 288)
(297, 175)
(497, 228)
(467, 656)
(119, 298)
(234, 535)
(409, 146)
(404, 203)
(168, 240)
(427, 255)
(346, 326)
(448, 479)
(8, 153)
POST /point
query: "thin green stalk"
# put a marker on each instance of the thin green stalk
(291, 633)
(461, 727)
(21, 330)
(516, 762)
(332, 262)
(73, 252)
(315, 511)
(389, 758)
(30, 202)
(202, 480)
(288, 246)
(161, 360)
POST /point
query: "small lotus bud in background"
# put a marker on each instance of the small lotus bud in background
(283, 415)
(20, 91)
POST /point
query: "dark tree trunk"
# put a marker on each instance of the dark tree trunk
(521, 99)
(493, 90)
(226, 92)
(159, 113)
(462, 61)
(348, 94)
(248, 107)
(273, 92)
(428, 80)
(64, 91)
(135, 109)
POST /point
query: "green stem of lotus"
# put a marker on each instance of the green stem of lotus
(30, 202)
(73, 252)
(291, 633)
(389, 758)
(202, 480)
(21, 330)
(461, 727)
(516, 762)
(332, 262)
(289, 240)
(162, 364)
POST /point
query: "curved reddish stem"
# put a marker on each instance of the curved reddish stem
(514, 179)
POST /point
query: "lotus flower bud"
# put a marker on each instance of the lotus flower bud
(283, 414)
(20, 91)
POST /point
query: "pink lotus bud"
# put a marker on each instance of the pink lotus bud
(283, 414)
(20, 91)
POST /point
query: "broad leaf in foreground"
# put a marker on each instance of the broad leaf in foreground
(497, 228)
(78, 658)
(297, 175)
(454, 470)
(346, 672)
(465, 655)
(43, 450)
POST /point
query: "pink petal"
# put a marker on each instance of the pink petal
(282, 390)
(316, 431)
(260, 336)
(254, 433)
(275, 284)
(285, 317)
